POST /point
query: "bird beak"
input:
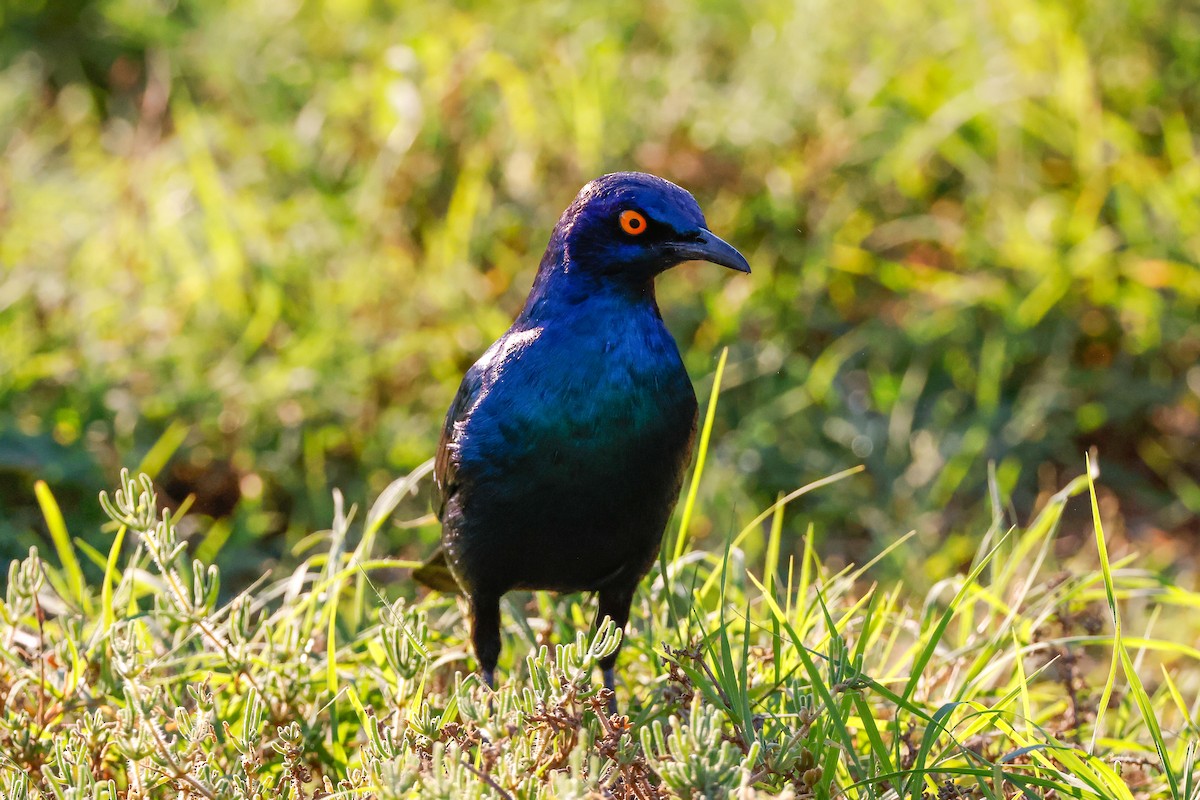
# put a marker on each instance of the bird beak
(707, 246)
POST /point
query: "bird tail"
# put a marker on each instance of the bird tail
(435, 573)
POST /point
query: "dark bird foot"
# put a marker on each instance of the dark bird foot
(610, 683)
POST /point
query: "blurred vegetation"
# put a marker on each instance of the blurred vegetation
(253, 246)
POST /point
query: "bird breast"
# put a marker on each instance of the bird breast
(574, 395)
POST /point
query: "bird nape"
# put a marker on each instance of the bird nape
(563, 453)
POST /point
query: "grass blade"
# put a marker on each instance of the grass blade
(689, 504)
(62, 545)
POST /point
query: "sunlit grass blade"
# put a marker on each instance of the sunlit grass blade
(1121, 655)
(210, 546)
(1114, 615)
(109, 581)
(934, 636)
(62, 545)
(689, 503)
(163, 448)
(379, 512)
(777, 507)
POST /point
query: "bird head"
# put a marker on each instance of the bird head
(630, 226)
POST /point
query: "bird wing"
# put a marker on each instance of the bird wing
(435, 572)
(445, 471)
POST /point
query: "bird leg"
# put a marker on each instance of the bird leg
(485, 635)
(614, 603)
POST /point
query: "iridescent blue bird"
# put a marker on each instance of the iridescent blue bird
(563, 452)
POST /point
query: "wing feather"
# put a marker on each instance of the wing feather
(445, 471)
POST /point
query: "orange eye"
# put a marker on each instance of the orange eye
(632, 222)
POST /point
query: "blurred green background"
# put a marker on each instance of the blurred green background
(256, 244)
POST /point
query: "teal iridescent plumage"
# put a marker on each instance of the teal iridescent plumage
(564, 450)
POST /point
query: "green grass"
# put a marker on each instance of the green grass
(1028, 676)
(255, 246)
(248, 249)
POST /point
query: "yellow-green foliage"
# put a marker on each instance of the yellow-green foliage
(252, 246)
(277, 232)
(1024, 677)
